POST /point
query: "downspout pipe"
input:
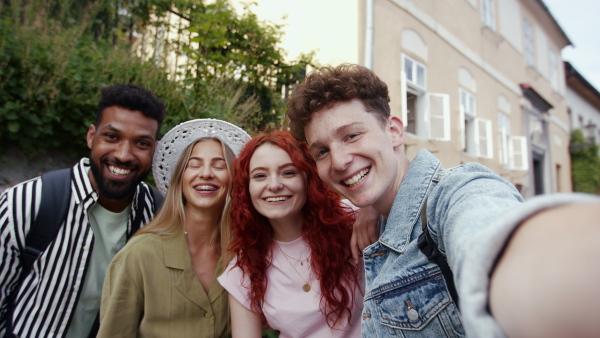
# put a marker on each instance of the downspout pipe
(369, 34)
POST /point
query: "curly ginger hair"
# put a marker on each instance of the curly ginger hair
(327, 230)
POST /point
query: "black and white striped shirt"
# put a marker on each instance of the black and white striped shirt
(48, 295)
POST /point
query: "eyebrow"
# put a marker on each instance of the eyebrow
(214, 159)
(111, 128)
(290, 164)
(337, 130)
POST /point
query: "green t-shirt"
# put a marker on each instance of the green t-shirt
(110, 236)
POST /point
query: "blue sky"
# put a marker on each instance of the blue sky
(580, 20)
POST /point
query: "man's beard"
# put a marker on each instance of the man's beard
(112, 189)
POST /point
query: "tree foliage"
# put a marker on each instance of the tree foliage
(56, 55)
(585, 163)
(219, 45)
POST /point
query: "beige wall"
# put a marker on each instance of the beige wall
(454, 38)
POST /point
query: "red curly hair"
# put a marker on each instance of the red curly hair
(327, 230)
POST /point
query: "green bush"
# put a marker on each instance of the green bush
(56, 55)
(585, 164)
(51, 80)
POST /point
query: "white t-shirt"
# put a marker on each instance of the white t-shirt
(287, 307)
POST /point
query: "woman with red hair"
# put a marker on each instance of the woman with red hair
(293, 269)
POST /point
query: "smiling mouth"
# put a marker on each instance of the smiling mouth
(356, 179)
(204, 187)
(118, 171)
(277, 199)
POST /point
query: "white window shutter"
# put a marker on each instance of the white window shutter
(439, 116)
(518, 153)
(483, 136)
(461, 116)
(403, 98)
(503, 147)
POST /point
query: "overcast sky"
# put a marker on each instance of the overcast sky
(580, 20)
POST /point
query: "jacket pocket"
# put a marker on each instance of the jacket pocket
(412, 303)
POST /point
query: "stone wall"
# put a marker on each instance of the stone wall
(16, 167)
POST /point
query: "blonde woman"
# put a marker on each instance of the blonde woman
(163, 283)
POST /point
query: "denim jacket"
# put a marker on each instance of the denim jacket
(406, 294)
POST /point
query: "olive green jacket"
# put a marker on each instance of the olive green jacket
(151, 290)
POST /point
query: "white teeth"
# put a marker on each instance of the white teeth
(205, 187)
(354, 180)
(276, 199)
(118, 171)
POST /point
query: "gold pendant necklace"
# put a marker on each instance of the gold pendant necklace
(306, 287)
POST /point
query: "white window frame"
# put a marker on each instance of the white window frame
(516, 156)
(412, 78)
(427, 111)
(529, 43)
(468, 113)
(487, 14)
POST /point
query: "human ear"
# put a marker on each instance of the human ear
(396, 128)
(90, 135)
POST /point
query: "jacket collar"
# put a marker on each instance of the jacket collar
(177, 257)
(84, 191)
(409, 200)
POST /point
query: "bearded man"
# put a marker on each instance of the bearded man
(60, 295)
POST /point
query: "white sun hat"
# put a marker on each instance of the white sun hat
(171, 146)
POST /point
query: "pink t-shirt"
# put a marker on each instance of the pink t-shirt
(288, 308)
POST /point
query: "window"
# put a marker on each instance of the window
(416, 73)
(476, 133)
(487, 14)
(426, 115)
(467, 114)
(553, 70)
(159, 43)
(528, 40)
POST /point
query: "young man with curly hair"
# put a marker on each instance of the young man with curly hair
(514, 264)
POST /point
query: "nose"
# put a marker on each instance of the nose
(206, 172)
(275, 184)
(124, 152)
(340, 158)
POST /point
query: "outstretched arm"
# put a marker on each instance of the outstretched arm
(545, 284)
(244, 323)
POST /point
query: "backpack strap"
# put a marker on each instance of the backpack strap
(56, 194)
(158, 198)
(428, 247)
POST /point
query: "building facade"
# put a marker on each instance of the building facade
(472, 80)
(583, 101)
